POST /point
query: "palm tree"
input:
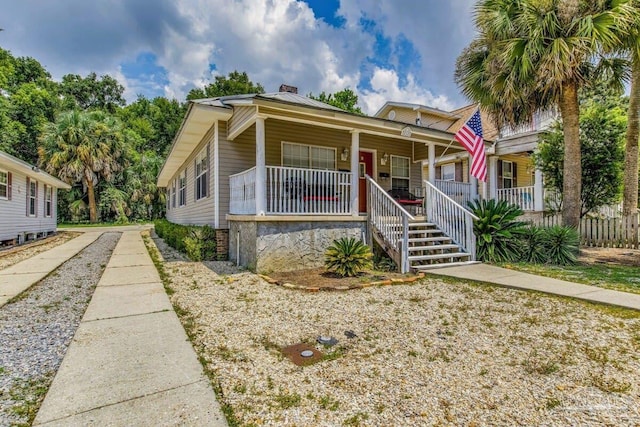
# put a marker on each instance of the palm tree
(530, 55)
(82, 147)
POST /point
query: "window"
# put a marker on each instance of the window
(308, 156)
(202, 162)
(449, 172)
(507, 174)
(399, 173)
(32, 197)
(173, 194)
(48, 198)
(4, 185)
(182, 189)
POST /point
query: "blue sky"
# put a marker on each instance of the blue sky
(401, 50)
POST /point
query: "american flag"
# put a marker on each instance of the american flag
(470, 136)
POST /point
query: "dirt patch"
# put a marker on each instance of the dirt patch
(322, 279)
(610, 256)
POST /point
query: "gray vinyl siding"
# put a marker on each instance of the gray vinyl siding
(235, 156)
(194, 212)
(13, 213)
(240, 117)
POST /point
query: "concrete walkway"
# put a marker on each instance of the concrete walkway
(518, 280)
(21, 276)
(130, 361)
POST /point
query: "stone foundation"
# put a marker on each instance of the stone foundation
(276, 245)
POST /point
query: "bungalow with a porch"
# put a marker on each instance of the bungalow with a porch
(28, 200)
(284, 175)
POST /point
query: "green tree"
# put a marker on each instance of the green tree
(91, 92)
(235, 84)
(531, 55)
(83, 147)
(345, 99)
(602, 129)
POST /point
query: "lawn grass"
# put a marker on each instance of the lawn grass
(616, 277)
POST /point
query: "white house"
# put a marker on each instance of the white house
(28, 198)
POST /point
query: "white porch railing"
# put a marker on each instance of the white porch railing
(521, 196)
(458, 191)
(390, 220)
(243, 192)
(454, 220)
(292, 191)
(540, 121)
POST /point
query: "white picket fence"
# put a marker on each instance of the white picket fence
(621, 232)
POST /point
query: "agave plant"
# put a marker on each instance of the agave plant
(533, 238)
(347, 256)
(561, 244)
(497, 231)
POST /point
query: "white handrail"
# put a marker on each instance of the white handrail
(458, 191)
(454, 220)
(390, 219)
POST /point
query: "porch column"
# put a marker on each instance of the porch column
(493, 177)
(355, 172)
(474, 187)
(538, 192)
(261, 168)
(432, 163)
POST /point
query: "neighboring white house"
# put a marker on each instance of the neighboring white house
(28, 198)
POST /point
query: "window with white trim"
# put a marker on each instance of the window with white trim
(202, 162)
(173, 194)
(308, 156)
(48, 200)
(400, 173)
(4, 185)
(507, 174)
(182, 189)
(32, 196)
(448, 172)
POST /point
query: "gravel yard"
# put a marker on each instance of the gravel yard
(16, 254)
(429, 353)
(36, 329)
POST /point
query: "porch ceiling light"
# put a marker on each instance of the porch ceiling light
(384, 159)
(344, 155)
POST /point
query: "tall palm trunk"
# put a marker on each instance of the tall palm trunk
(93, 211)
(572, 168)
(630, 194)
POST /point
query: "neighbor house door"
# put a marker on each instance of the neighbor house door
(365, 166)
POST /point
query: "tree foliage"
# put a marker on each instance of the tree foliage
(236, 83)
(345, 99)
(603, 124)
(91, 92)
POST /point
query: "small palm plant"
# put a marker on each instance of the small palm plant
(497, 231)
(562, 245)
(347, 257)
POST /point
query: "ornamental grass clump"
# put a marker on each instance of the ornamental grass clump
(347, 257)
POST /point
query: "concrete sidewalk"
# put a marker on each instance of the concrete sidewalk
(130, 361)
(518, 280)
(21, 276)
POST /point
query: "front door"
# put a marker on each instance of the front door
(365, 166)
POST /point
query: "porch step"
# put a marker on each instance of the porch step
(437, 256)
(421, 224)
(429, 231)
(450, 264)
(432, 248)
(429, 239)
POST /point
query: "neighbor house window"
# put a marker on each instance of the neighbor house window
(308, 156)
(507, 174)
(202, 162)
(173, 194)
(399, 173)
(449, 172)
(48, 196)
(182, 189)
(32, 197)
(4, 185)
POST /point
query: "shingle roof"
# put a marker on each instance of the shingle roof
(489, 128)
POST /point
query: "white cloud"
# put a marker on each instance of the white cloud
(385, 85)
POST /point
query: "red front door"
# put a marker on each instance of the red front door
(365, 166)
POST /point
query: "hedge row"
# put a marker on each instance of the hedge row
(197, 242)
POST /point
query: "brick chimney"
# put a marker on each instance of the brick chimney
(287, 88)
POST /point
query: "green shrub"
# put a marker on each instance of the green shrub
(561, 245)
(497, 231)
(197, 242)
(533, 250)
(347, 257)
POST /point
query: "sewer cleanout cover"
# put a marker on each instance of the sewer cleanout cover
(302, 354)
